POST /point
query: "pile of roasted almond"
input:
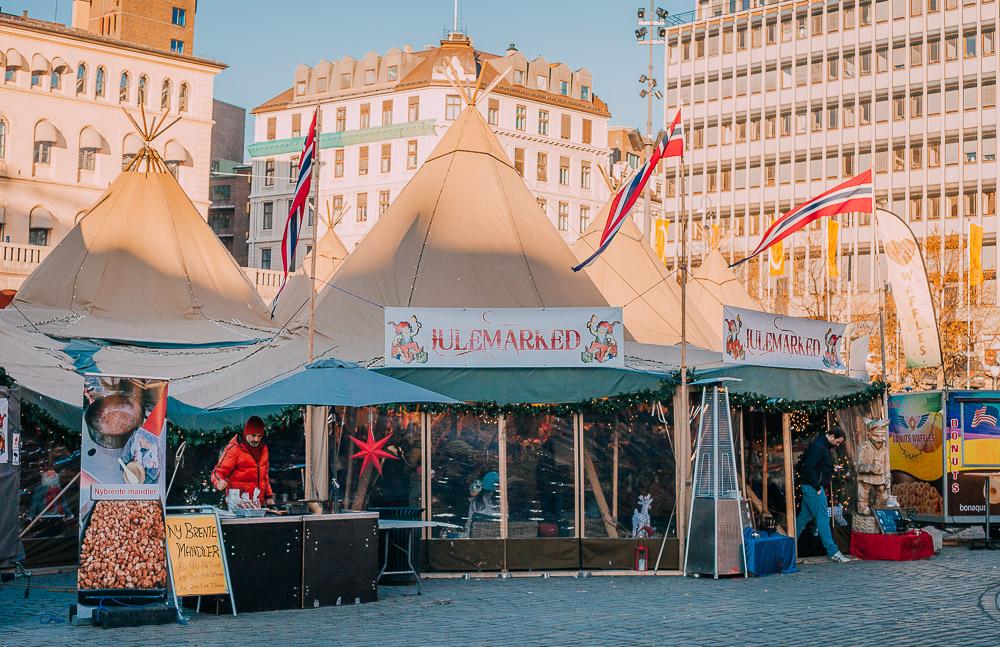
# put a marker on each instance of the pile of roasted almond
(123, 547)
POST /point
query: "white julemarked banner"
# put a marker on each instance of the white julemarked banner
(767, 339)
(504, 337)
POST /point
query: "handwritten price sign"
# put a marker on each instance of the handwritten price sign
(196, 555)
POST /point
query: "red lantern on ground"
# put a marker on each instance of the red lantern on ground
(641, 558)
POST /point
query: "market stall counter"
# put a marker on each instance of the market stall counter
(298, 562)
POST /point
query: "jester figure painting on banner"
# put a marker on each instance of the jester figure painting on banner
(767, 339)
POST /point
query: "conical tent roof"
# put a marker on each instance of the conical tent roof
(464, 232)
(143, 266)
(714, 285)
(628, 274)
(291, 305)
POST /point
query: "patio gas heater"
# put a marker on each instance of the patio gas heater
(715, 527)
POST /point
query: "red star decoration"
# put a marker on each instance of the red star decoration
(371, 451)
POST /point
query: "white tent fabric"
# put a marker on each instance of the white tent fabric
(464, 232)
(714, 285)
(628, 274)
(142, 266)
(291, 307)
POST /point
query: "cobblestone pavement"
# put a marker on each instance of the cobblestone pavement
(948, 600)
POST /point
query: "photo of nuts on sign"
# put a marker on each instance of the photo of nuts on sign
(123, 547)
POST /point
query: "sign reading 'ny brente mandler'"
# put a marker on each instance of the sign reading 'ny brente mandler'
(767, 339)
(504, 337)
(196, 555)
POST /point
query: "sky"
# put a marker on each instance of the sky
(263, 41)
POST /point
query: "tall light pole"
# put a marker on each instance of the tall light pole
(650, 32)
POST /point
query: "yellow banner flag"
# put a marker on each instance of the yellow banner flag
(715, 237)
(660, 228)
(776, 258)
(975, 254)
(832, 243)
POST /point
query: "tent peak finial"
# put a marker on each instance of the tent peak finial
(147, 132)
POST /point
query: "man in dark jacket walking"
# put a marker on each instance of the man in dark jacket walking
(817, 470)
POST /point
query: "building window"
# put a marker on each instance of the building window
(566, 126)
(369, 77)
(542, 172)
(363, 160)
(272, 128)
(297, 125)
(585, 92)
(341, 122)
(584, 218)
(413, 109)
(81, 79)
(221, 194)
(178, 17)
(56, 80)
(143, 82)
(338, 163)
(3, 138)
(219, 222)
(518, 77)
(346, 80)
(267, 216)
(38, 236)
(542, 82)
(543, 122)
(519, 161)
(585, 175)
(321, 84)
(176, 46)
(387, 113)
(86, 159)
(182, 99)
(338, 207)
(365, 120)
(269, 172)
(42, 153)
(970, 45)
(493, 112)
(165, 96)
(587, 131)
(392, 72)
(383, 201)
(99, 82)
(123, 86)
(564, 171)
(989, 46)
(386, 162)
(951, 48)
(452, 107)
(293, 169)
(265, 258)
(520, 117)
(9, 74)
(361, 211)
(411, 154)
(563, 216)
(564, 88)
(542, 204)
(36, 79)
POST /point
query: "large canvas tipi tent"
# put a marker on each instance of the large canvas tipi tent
(142, 266)
(628, 274)
(714, 285)
(464, 232)
(291, 306)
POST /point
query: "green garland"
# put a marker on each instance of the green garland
(766, 404)
(287, 418)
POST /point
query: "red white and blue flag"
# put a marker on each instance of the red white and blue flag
(670, 145)
(981, 416)
(293, 224)
(853, 196)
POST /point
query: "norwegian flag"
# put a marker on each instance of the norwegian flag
(290, 237)
(981, 416)
(853, 196)
(670, 145)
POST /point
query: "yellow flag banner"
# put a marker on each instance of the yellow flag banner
(776, 257)
(660, 228)
(975, 255)
(832, 243)
(715, 237)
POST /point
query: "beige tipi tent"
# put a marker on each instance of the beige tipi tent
(714, 285)
(628, 274)
(464, 232)
(291, 306)
(142, 266)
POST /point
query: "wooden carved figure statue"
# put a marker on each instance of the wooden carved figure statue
(873, 466)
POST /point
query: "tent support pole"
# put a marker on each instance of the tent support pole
(314, 488)
(786, 442)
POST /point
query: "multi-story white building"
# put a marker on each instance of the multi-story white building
(63, 135)
(381, 116)
(785, 100)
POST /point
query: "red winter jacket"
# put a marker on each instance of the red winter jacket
(238, 467)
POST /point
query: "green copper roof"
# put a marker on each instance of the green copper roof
(345, 138)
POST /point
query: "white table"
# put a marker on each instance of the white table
(410, 528)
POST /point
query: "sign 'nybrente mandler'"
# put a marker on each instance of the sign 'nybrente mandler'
(766, 339)
(504, 337)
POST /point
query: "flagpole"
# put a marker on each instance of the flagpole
(683, 452)
(312, 489)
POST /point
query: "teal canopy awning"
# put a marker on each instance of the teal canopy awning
(528, 385)
(792, 384)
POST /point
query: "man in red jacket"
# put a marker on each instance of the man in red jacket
(243, 464)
